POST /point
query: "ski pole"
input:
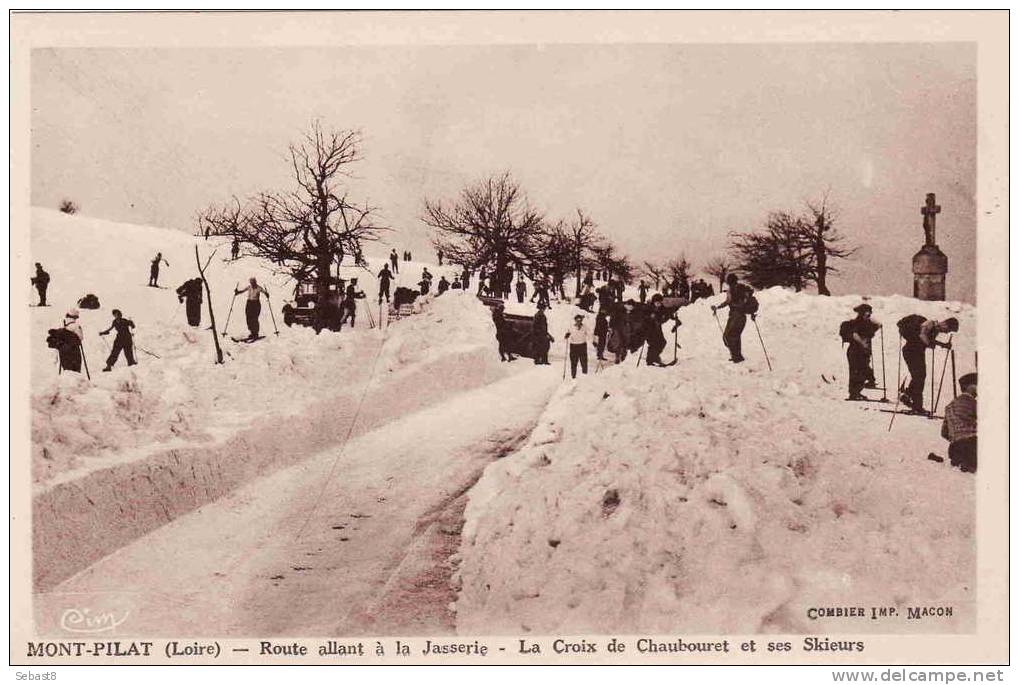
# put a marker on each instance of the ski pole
(566, 355)
(231, 311)
(898, 385)
(941, 382)
(272, 314)
(884, 379)
(675, 345)
(762, 344)
(933, 352)
(955, 392)
(84, 360)
(640, 354)
(719, 323)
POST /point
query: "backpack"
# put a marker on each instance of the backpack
(846, 331)
(909, 327)
(750, 304)
(90, 301)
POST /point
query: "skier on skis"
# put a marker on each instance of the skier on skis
(350, 301)
(385, 276)
(191, 290)
(655, 338)
(443, 285)
(920, 334)
(41, 281)
(394, 261)
(737, 299)
(154, 269)
(235, 249)
(253, 307)
(859, 333)
(579, 336)
(960, 426)
(123, 342)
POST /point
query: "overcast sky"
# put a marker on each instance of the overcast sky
(667, 147)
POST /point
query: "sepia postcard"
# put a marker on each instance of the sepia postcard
(509, 338)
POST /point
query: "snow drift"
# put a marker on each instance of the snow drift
(715, 498)
(183, 398)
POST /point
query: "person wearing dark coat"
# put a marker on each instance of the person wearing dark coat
(655, 338)
(541, 293)
(41, 281)
(642, 290)
(503, 334)
(605, 297)
(858, 353)
(443, 285)
(385, 277)
(123, 342)
(621, 330)
(154, 269)
(67, 341)
(735, 300)
(394, 261)
(191, 291)
(540, 338)
(601, 332)
(521, 290)
(465, 278)
(350, 302)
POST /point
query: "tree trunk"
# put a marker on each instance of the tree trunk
(212, 314)
(822, 270)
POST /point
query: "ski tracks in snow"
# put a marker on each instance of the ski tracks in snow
(360, 542)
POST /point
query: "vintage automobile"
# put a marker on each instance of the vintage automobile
(303, 309)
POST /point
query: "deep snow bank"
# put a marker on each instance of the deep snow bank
(717, 498)
(183, 398)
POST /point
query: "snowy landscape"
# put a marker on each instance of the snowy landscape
(400, 479)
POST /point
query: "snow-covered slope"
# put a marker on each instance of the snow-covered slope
(713, 498)
(183, 397)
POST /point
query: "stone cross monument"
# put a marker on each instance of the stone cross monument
(929, 264)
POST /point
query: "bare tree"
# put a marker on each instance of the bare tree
(583, 241)
(303, 230)
(719, 267)
(777, 256)
(678, 269)
(656, 272)
(824, 240)
(489, 225)
(208, 299)
(792, 250)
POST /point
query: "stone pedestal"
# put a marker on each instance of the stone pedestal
(929, 268)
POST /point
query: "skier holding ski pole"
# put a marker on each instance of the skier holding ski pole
(253, 307)
(122, 343)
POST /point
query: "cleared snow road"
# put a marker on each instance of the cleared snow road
(355, 540)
